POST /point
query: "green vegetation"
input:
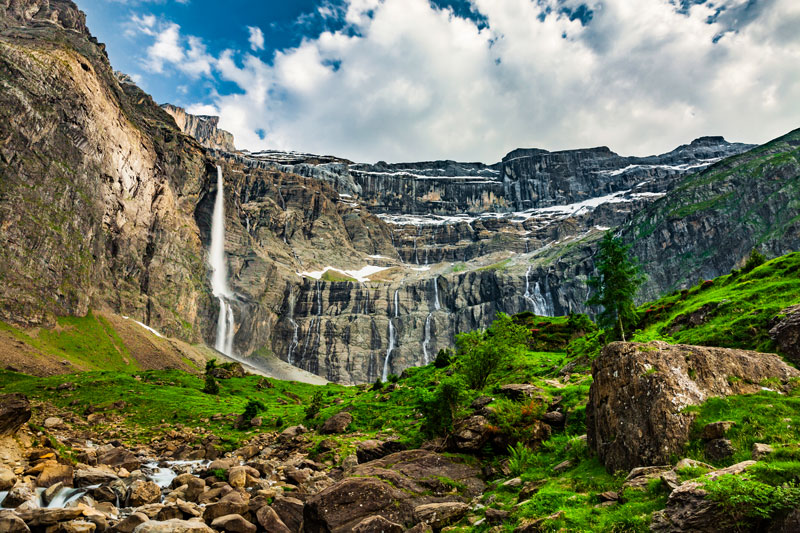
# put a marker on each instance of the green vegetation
(482, 352)
(616, 284)
(336, 276)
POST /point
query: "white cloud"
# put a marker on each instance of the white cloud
(408, 81)
(256, 38)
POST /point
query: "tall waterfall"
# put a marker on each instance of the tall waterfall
(219, 272)
(436, 304)
(536, 300)
(390, 349)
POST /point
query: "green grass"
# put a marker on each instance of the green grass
(738, 308)
(336, 276)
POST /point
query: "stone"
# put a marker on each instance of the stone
(237, 477)
(562, 466)
(131, 522)
(760, 451)
(270, 521)
(55, 473)
(691, 463)
(640, 477)
(46, 517)
(102, 475)
(377, 524)
(471, 435)
(233, 523)
(554, 418)
(292, 432)
(77, 526)
(513, 483)
(635, 416)
(420, 528)
(7, 478)
(120, 458)
(168, 512)
(290, 511)
(608, 496)
(496, 516)
(520, 391)
(20, 493)
(719, 449)
(786, 333)
(716, 430)
(337, 423)
(53, 422)
(173, 526)
(143, 492)
(370, 450)
(439, 515)
(224, 508)
(15, 410)
(11, 523)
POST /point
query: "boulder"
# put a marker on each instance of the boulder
(143, 492)
(7, 478)
(224, 508)
(77, 526)
(471, 435)
(369, 450)
(130, 523)
(290, 511)
(760, 450)
(377, 524)
(15, 410)
(337, 423)
(270, 521)
(439, 515)
(716, 430)
(20, 493)
(120, 458)
(55, 473)
(233, 523)
(520, 391)
(11, 523)
(173, 526)
(639, 391)
(53, 422)
(39, 518)
(101, 475)
(786, 333)
(719, 449)
(346, 504)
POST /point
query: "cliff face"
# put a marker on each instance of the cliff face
(202, 127)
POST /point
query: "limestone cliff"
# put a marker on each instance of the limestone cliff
(201, 127)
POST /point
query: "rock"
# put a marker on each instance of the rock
(760, 451)
(640, 477)
(20, 493)
(130, 523)
(719, 449)
(56, 473)
(50, 493)
(716, 430)
(53, 422)
(377, 524)
(143, 492)
(471, 435)
(691, 463)
(201, 127)
(480, 402)
(539, 525)
(47, 517)
(290, 511)
(786, 333)
(256, 422)
(120, 458)
(517, 391)
(513, 483)
(86, 477)
(609, 496)
(224, 508)
(169, 512)
(233, 523)
(270, 521)
(369, 450)
(554, 418)
(341, 507)
(292, 432)
(77, 526)
(337, 423)
(173, 526)
(635, 412)
(11, 523)
(789, 523)
(529, 489)
(237, 477)
(420, 528)
(496, 516)
(562, 466)
(15, 410)
(7, 478)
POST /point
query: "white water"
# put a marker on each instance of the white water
(396, 303)
(385, 374)
(426, 343)
(536, 300)
(436, 304)
(295, 341)
(219, 275)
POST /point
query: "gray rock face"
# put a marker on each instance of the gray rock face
(201, 127)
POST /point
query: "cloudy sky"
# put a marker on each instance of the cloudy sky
(404, 80)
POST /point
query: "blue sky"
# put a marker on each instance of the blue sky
(465, 79)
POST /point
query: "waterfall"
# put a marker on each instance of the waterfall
(219, 272)
(385, 374)
(535, 299)
(396, 303)
(427, 341)
(316, 321)
(436, 305)
(295, 342)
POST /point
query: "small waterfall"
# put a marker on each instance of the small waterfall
(536, 300)
(385, 374)
(293, 345)
(316, 321)
(436, 304)
(219, 275)
(416, 253)
(426, 343)
(396, 303)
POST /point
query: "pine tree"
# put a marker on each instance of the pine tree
(617, 281)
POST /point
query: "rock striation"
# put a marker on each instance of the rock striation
(635, 416)
(201, 127)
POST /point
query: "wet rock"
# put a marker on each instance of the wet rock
(15, 410)
(377, 524)
(635, 415)
(786, 333)
(120, 458)
(20, 493)
(337, 423)
(716, 430)
(270, 521)
(50, 493)
(143, 492)
(369, 450)
(233, 523)
(55, 473)
(173, 526)
(760, 451)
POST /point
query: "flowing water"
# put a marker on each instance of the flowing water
(219, 269)
(538, 304)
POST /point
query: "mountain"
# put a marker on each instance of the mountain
(351, 271)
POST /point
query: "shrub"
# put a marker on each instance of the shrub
(439, 407)
(520, 458)
(393, 378)
(211, 386)
(443, 358)
(314, 407)
(482, 352)
(211, 365)
(252, 409)
(756, 259)
(744, 497)
(378, 385)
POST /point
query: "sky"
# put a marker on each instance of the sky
(470, 80)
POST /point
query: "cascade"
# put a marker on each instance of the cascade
(436, 305)
(396, 303)
(426, 343)
(219, 272)
(535, 299)
(316, 321)
(293, 345)
(385, 374)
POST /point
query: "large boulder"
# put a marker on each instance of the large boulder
(337, 423)
(15, 410)
(786, 333)
(118, 457)
(173, 526)
(7, 478)
(634, 416)
(143, 492)
(369, 450)
(11, 523)
(55, 473)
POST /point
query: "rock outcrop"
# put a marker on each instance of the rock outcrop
(15, 410)
(786, 333)
(201, 127)
(635, 412)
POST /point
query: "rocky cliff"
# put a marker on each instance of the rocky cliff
(201, 127)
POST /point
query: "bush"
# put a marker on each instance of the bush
(443, 358)
(211, 386)
(378, 385)
(252, 409)
(520, 458)
(756, 259)
(211, 365)
(314, 407)
(743, 497)
(393, 378)
(439, 407)
(482, 352)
